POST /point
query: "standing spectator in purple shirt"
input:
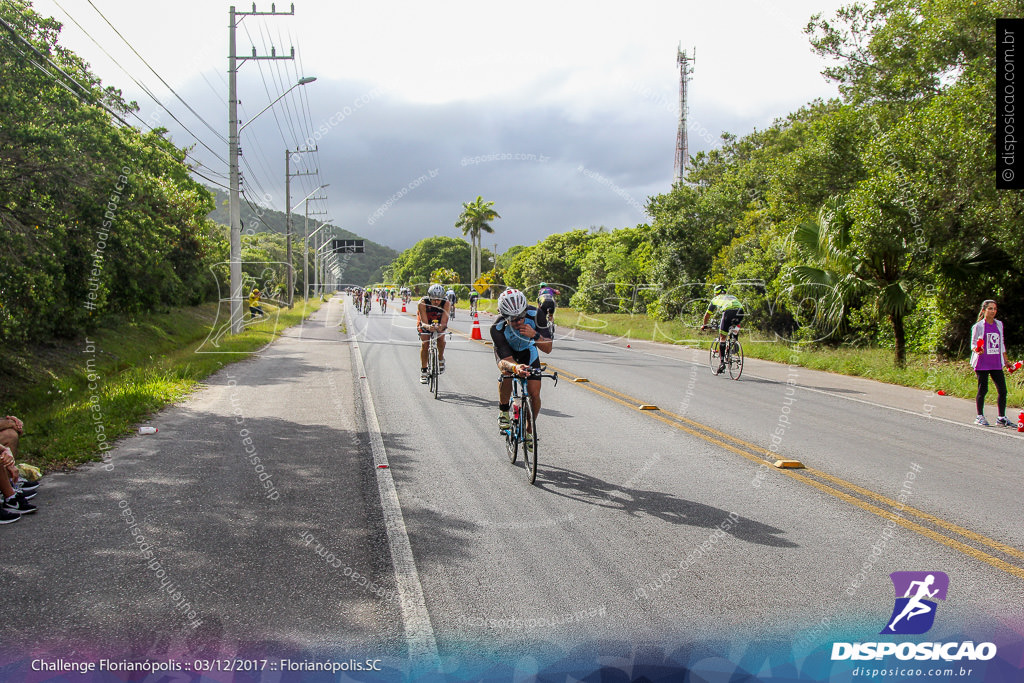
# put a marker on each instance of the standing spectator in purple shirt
(988, 358)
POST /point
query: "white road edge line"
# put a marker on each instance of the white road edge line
(419, 632)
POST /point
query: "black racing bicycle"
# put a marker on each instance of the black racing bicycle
(733, 358)
(524, 428)
(434, 364)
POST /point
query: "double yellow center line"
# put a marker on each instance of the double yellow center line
(911, 518)
(918, 521)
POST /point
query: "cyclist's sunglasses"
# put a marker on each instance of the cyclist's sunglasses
(518, 318)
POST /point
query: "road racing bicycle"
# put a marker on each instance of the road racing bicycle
(434, 363)
(733, 354)
(524, 428)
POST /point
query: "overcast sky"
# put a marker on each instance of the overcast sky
(563, 113)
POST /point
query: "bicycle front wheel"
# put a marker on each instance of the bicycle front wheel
(431, 370)
(511, 444)
(435, 373)
(714, 360)
(529, 433)
(735, 359)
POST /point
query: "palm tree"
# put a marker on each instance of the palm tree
(475, 219)
(837, 273)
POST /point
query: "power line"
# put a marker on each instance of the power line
(194, 112)
(266, 88)
(144, 87)
(84, 94)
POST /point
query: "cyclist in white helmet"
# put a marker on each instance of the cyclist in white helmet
(431, 316)
(517, 334)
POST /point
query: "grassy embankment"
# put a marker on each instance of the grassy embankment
(923, 371)
(128, 369)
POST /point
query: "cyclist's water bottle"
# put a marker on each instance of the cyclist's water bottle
(515, 410)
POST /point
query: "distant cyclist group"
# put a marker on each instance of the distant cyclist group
(522, 330)
(518, 335)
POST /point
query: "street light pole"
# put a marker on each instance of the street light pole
(234, 208)
(288, 222)
(233, 200)
(305, 251)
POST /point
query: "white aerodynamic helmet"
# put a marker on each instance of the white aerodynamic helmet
(511, 303)
(435, 292)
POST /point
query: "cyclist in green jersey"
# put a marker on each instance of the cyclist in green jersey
(732, 314)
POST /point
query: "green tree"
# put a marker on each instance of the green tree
(444, 276)
(838, 271)
(98, 218)
(475, 219)
(414, 265)
(902, 51)
(615, 273)
(557, 260)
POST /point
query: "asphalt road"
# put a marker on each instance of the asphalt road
(655, 529)
(234, 530)
(659, 526)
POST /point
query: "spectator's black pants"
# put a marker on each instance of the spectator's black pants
(1000, 381)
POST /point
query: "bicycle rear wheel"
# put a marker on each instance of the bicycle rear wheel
(529, 434)
(714, 360)
(735, 359)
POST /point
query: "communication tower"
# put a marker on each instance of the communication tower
(682, 145)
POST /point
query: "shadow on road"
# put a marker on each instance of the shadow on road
(665, 506)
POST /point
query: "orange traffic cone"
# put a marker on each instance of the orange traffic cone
(476, 327)
(403, 307)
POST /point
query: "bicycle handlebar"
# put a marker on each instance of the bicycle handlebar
(534, 374)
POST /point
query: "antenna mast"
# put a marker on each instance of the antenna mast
(682, 144)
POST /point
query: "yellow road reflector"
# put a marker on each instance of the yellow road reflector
(581, 379)
(789, 464)
(646, 406)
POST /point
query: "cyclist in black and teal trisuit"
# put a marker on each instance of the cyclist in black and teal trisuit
(517, 334)
(732, 314)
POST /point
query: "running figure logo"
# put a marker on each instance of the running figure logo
(913, 612)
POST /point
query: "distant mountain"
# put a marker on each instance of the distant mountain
(362, 269)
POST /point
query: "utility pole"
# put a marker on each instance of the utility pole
(288, 216)
(234, 210)
(305, 248)
(682, 142)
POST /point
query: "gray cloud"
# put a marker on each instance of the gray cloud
(400, 171)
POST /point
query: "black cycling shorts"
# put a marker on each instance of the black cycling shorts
(548, 306)
(733, 316)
